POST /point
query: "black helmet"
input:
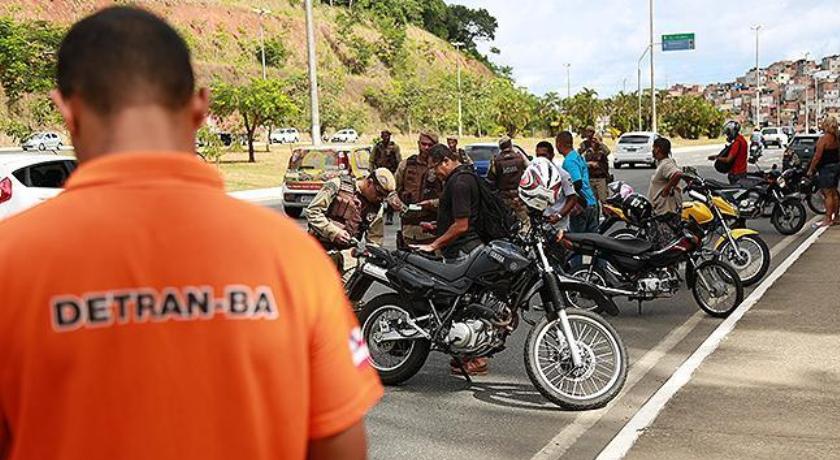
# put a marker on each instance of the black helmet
(731, 130)
(637, 208)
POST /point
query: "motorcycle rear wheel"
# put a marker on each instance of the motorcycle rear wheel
(579, 300)
(590, 386)
(816, 202)
(717, 289)
(409, 356)
(789, 216)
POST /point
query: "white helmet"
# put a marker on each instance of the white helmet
(620, 189)
(540, 185)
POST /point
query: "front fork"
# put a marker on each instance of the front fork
(557, 310)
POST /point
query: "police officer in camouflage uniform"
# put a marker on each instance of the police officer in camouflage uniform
(346, 209)
(452, 143)
(506, 170)
(596, 154)
(417, 184)
(386, 154)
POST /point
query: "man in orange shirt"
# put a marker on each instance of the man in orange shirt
(146, 314)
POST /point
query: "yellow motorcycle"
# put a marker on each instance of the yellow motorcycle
(743, 249)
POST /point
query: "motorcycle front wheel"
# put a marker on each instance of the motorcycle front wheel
(383, 319)
(788, 216)
(716, 287)
(751, 258)
(603, 370)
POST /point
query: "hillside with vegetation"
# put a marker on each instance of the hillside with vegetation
(381, 63)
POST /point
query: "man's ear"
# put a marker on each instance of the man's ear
(199, 107)
(66, 111)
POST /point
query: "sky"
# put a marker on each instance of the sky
(603, 39)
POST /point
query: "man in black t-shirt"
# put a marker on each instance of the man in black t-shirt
(456, 223)
(458, 206)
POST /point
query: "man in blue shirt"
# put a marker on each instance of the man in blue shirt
(586, 219)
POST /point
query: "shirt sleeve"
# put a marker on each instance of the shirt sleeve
(343, 385)
(669, 168)
(316, 212)
(571, 167)
(567, 185)
(462, 197)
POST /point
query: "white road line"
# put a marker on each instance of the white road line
(624, 440)
(566, 438)
(586, 420)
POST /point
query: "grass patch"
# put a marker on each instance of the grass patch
(270, 167)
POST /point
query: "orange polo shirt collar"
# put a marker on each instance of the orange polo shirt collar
(145, 168)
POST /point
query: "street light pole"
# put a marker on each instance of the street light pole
(757, 82)
(262, 12)
(652, 75)
(807, 109)
(313, 75)
(639, 84)
(458, 46)
(568, 80)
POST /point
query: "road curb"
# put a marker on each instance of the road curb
(259, 195)
(621, 444)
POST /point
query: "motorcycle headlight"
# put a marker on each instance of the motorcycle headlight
(782, 182)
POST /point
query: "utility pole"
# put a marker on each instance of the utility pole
(568, 80)
(757, 29)
(652, 75)
(313, 75)
(458, 46)
(624, 85)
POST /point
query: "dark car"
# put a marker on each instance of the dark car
(482, 154)
(803, 146)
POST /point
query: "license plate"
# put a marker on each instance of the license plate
(306, 199)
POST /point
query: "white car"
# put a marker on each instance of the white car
(345, 135)
(775, 136)
(42, 141)
(635, 148)
(28, 179)
(284, 136)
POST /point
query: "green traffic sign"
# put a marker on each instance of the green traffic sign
(677, 42)
(677, 37)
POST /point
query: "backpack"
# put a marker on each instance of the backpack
(720, 165)
(494, 221)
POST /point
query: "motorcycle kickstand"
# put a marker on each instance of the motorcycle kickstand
(464, 371)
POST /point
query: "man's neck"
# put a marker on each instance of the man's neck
(142, 129)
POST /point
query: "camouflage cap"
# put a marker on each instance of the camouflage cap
(385, 179)
(505, 143)
(430, 136)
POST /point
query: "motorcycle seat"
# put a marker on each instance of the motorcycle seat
(718, 185)
(632, 247)
(448, 270)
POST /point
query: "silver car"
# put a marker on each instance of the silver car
(42, 141)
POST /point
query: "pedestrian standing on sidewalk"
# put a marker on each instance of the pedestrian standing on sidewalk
(664, 191)
(177, 323)
(826, 164)
(585, 218)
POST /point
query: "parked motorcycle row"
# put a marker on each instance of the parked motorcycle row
(559, 284)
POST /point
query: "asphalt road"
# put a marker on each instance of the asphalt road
(501, 415)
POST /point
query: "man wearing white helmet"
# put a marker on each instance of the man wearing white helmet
(546, 188)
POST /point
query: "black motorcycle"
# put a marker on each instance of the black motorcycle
(648, 269)
(760, 195)
(794, 179)
(469, 308)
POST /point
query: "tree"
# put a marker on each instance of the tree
(623, 111)
(583, 109)
(27, 57)
(259, 102)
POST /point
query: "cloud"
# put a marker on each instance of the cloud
(603, 39)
